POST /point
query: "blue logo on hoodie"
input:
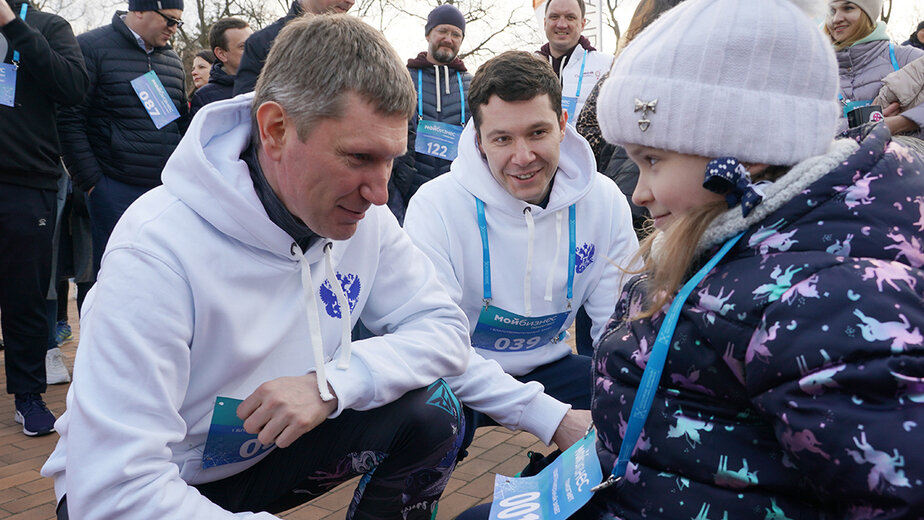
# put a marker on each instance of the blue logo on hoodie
(583, 257)
(351, 287)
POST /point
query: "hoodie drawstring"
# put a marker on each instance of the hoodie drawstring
(530, 232)
(314, 318)
(439, 104)
(551, 277)
(346, 343)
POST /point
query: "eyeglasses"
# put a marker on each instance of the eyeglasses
(170, 21)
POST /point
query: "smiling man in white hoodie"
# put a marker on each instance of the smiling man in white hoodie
(216, 376)
(523, 231)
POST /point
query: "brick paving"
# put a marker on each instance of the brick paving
(26, 495)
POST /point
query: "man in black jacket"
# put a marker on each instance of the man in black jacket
(442, 83)
(258, 45)
(227, 38)
(117, 141)
(41, 67)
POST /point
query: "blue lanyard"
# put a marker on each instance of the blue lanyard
(652, 375)
(581, 76)
(22, 14)
(892, 56)
(486, 253)
(420, 93)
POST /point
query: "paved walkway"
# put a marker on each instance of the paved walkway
(26, 495)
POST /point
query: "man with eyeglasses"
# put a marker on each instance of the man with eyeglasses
(442, 82)
(116, 142)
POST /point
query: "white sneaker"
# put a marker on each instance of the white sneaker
(55, 370)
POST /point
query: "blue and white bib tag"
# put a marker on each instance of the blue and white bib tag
(559, 490)
(227, 441)
(569, 105)
(504, 331)
(154, 98)
(437, 139)
(7, 84)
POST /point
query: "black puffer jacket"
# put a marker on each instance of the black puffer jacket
(220, 86)
(51, 72)
(111, 133)
(445, 107)
(257, 48)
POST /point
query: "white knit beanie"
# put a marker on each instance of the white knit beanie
(872, 8)
(756, 80)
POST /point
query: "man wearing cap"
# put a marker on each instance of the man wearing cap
(40, 66)
(442, 84)
(258, 44)
(116, 142)
(575, 61)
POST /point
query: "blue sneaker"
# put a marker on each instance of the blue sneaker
(63, 332)
(33, 415)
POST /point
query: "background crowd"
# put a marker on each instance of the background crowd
(88, 123)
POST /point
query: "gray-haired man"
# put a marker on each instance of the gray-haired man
(265, 245)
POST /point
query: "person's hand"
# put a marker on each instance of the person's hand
(6, 13)
(892, 110)
(899, 124)
(284, 409)
(572, 428)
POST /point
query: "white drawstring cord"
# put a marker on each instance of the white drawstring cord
(314, 324)
(527, 279)
(436, 84)
(548, 281)
(446, 76)
(346, 343)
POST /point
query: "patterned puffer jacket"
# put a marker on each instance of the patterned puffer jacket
(794, 383)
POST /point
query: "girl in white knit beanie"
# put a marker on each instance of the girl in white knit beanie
(768, 362)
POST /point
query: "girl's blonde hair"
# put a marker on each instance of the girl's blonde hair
(865, 27)
(673, 263)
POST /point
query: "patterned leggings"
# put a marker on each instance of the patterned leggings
(405, 451)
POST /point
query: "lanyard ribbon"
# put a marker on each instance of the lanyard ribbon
(577, 94)
(486, 253)
(652, 375)
(420, 93)
(22, 14)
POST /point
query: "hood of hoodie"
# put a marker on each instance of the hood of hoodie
(207, 174)
(219, 76)
(582, 41)
(421, 62)
(573, 179)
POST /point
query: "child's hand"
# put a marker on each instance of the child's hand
(892, 110)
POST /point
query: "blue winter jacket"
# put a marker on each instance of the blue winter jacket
(794, 383)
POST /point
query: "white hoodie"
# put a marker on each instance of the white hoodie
(442, 221)
(201, 295)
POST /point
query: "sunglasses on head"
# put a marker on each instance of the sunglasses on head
(171, 21)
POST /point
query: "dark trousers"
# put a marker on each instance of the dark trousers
(582, 339)
(568, 380)
(27, 221)
(107, 203)
(406, 451)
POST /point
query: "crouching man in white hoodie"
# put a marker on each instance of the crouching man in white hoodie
(225, 302)
(523, 231)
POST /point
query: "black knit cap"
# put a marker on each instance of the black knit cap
(445, 14)
(154, 5)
